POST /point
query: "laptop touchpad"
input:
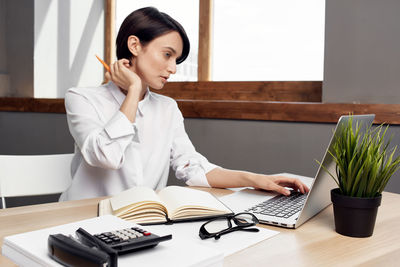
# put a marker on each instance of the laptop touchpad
(243, 199)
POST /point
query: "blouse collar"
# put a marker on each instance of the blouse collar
(120, 97)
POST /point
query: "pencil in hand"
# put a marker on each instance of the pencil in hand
(104, 64)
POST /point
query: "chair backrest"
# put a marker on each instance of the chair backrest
(34, 175)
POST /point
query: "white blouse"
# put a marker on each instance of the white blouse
(112, 154)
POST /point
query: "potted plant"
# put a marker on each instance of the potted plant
(364, 165)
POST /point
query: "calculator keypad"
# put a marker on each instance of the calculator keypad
(130, 239)
(118, 236)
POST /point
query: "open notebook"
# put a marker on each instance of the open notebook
(173, 203)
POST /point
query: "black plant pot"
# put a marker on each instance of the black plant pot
(354, 216)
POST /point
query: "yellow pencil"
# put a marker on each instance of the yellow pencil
(104, 64)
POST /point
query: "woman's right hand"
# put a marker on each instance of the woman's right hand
(124, 77)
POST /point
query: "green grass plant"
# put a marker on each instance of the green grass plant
(364, 163)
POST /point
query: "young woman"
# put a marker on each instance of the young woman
(126, 135)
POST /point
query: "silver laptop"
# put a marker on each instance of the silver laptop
(293, 211)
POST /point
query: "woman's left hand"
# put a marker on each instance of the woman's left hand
(278, 183)
(225, 178)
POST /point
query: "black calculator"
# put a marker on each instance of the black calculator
(100, 249)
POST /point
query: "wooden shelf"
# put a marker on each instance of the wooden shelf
(244, 110)
(32, 104)
(286, 111)
(288, 91)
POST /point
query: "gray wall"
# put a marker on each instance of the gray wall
(362, 58)
(3, 52)
(25, 133)
(18, 17)
(269, 147)
(257, 146)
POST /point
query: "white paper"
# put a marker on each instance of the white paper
(227, 244)
(30, 248)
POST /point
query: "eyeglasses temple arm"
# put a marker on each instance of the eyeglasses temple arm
(217, 236)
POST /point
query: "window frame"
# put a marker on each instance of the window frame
(269, 101)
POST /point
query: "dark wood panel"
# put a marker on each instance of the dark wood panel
(32, 104)
(295, 112)
(288, 91)
(247, 110)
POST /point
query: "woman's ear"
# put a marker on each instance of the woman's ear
(134, 45)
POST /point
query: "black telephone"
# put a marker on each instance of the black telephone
(100, 249)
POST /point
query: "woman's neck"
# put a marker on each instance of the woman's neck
(142, 93)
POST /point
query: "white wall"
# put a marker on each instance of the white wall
(67, 35)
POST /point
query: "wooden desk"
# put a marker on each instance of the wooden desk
(315, 243)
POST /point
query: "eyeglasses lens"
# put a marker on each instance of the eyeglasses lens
(244, 220)
(217, 226)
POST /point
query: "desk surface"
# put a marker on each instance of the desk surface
(315, 243)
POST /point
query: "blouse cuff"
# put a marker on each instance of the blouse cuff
(120, 126)
(194, 174)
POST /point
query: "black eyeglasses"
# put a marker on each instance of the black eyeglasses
(223, 225)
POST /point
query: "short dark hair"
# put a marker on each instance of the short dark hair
(147, 24)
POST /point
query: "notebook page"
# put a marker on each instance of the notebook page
(176, 197)
(133, 195)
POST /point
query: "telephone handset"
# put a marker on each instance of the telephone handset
(100, 249)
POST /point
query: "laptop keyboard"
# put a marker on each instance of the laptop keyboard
(280, 206)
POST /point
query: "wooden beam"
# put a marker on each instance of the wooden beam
(205, 40)
(23, 104)
(289, 91)
(245, 110)
(286, 111)
(109, 33)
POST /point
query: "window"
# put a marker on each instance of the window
(268, 40)
(262, 99)
(261, 40)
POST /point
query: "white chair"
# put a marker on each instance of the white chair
(34, 175)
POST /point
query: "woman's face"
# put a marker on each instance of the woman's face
(156, 61)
